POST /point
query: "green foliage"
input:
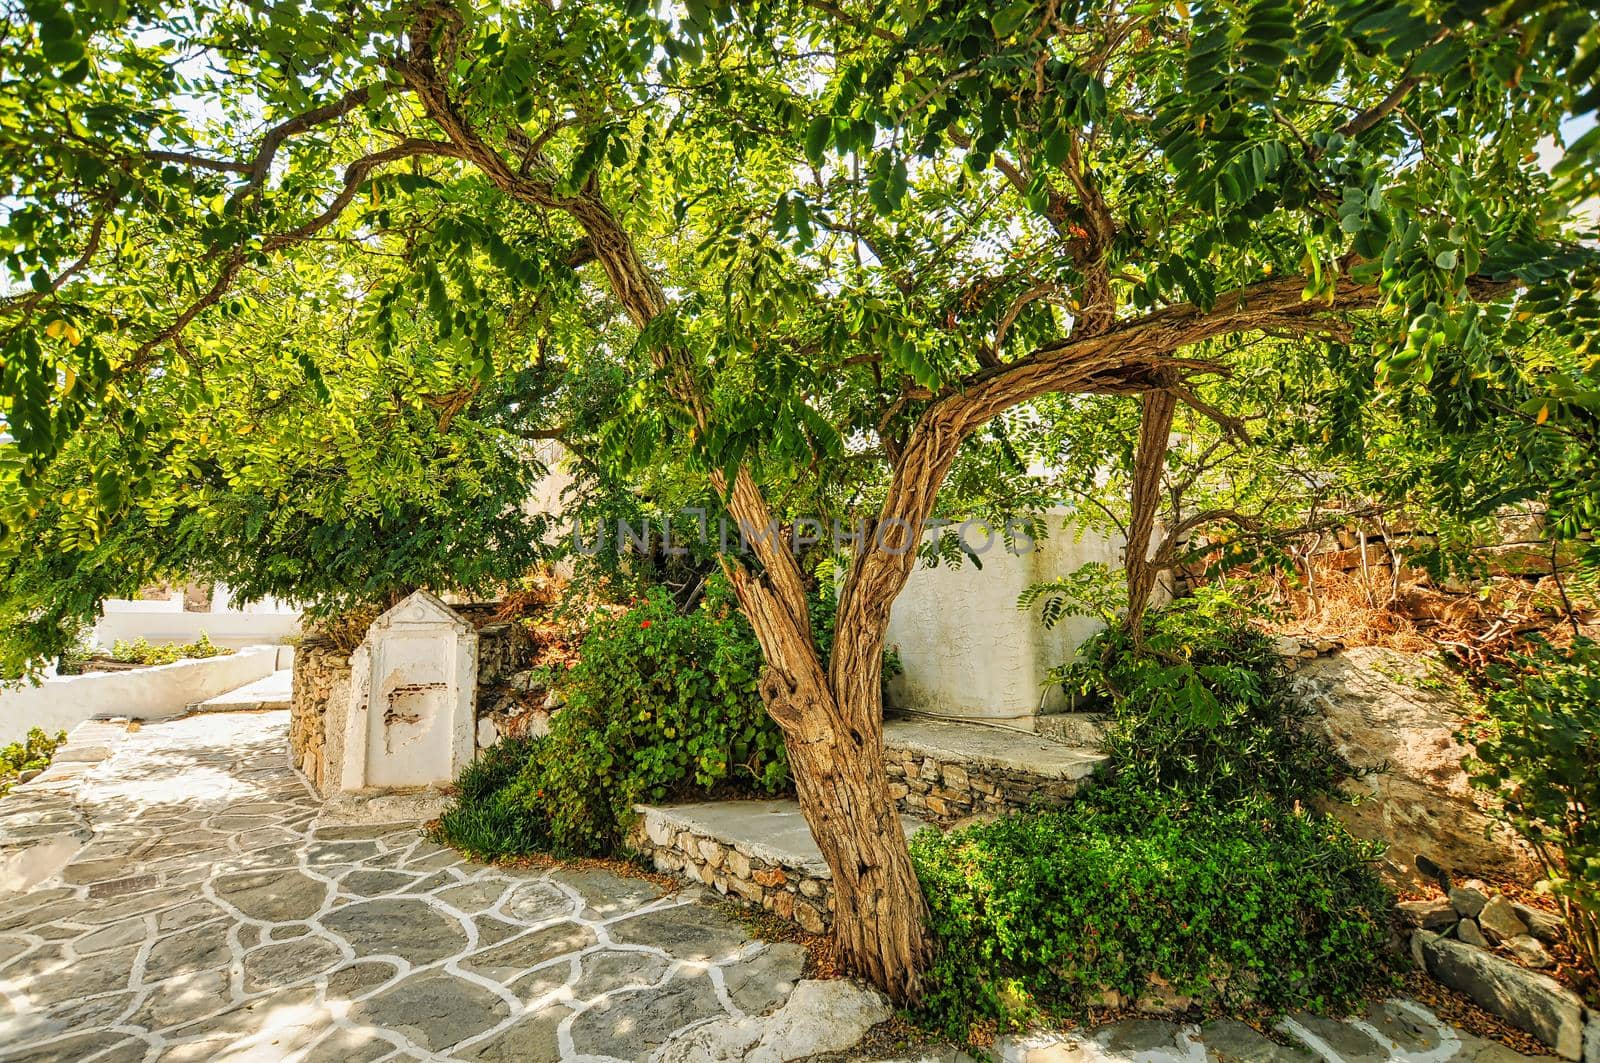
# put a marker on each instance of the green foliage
(1038, 914)
(484, 821)
(1537, 753)
(390, 473)
(140, 651)
(1202, 861)
(661, 705)
(1201, 710)
(31, 754)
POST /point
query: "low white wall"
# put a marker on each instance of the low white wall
(61, 703)
(173, 603)
(229, 629)
(966, 648)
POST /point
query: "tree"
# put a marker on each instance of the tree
(827, 242)
(291, 456)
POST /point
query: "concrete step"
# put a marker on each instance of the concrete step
(1082, 729)
(947, 771)
(268, 692)
(759, 851)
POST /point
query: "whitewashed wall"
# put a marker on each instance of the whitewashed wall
(966, 648)
(63, 702)
(229, 629)
(173, 603)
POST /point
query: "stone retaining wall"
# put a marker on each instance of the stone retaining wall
(803, 895)
(321, 673)
(945, 792)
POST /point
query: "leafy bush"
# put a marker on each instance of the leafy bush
(1202, 710)
(31, 754)
(140, 651)
(1201, 863)
(660, 706)
(1538, 752)
(1040, 913)
(484, 822)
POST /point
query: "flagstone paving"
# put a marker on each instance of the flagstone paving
(212, 916)
(213, 913)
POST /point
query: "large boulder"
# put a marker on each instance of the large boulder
(1527, 1000)
(1400, 712)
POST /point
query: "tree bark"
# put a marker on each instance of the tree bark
(1149, 462)
(833, 731)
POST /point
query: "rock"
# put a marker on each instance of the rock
(1422, 803)
(1500, 921)
(1546, 926)
(29, 775)
(819, 1018)
(738, 864)
(1429, 915)
(809, 918)
(1469, 932)
(765, 981)
(1286, 646)
(1432, 872)
(488, 733)
(1527, 949)
(1419, 942)
(1162, 998)
(1529, 1001)
(1468, 900)
(1591, 1039)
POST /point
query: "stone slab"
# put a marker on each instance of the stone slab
(774, 831)
(267, 693)
(994, 747)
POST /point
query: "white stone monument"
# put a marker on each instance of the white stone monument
(413, 685)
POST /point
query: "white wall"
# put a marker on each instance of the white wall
(229, 629)
(969, 651)
(61, 703)
(171, 604)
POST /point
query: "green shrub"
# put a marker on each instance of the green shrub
(1538, 752)
(140, 651)
(1035, 915)
(483, 821)
(660, 706)
(1202, 711)
(33, 753)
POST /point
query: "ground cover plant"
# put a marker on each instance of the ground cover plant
(1202, 867)
(33, 753)
(1199, 708)
(1038, 915)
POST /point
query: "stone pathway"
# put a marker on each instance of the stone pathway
(179, 893)
(1394, 1031)
(212, 916)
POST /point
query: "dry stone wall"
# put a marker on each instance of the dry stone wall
(802, 893)
(321, 675)
(946, 792)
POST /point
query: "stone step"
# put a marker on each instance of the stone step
(946, 771)
(268, 692)
(759, 851)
